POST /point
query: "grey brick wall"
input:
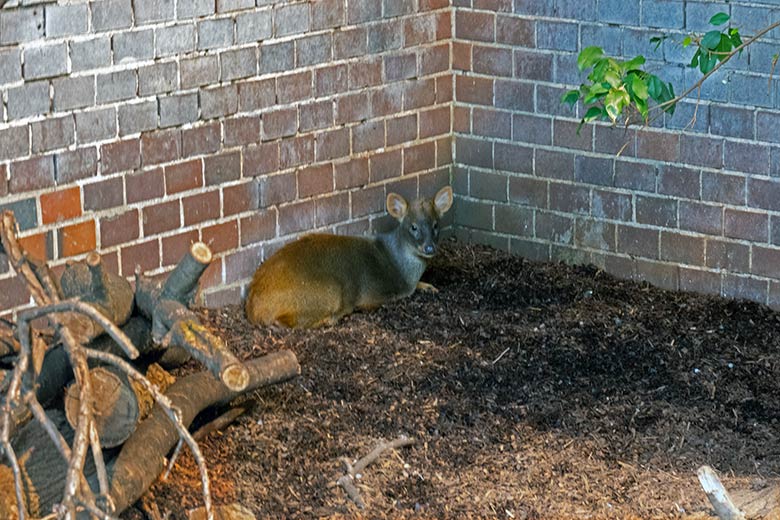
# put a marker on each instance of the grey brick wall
(135, 127)
(689, 205)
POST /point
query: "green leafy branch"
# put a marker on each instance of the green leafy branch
(616, 88)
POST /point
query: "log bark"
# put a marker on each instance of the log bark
(142, 457)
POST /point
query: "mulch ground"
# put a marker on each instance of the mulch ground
(532, 390)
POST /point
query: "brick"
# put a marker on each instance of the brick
(116, 86)
(492, 123)
(66, 20)
(331, 210)
(560, 36)
(351, 174)
(515, 31)
(224, 6)
(120, 156)
(95, 125)
(221, 237)
(365, 73)
(31, 174)
(594, 234)
(565, 134)
(296, 151)
(111, 14)
(77, 239)
(475, 90)
(742, 287)
(177, 110)
(161, 146)
(137, 117)
(173, 40)
(183, 176)
(682, 249)
(514, 158)
(434, 122)
(434, 59)
(261, 159)
(316, 115)
(746, 157)
(330, 80)
(145, 185)
(423, 29)
(420, 93)
(349, 43)
(214, 34)
(368, 201)
(332, 144)
(10, 65)
(701, 151)
(280, 123)
(638, 241)
(476, 26)
(51, 134)
(194, 8)
(238, 63)
(531, 129)
(360, 11)
(60, 205)
(766, 125)
(294, 87)
(30, 99)
(240, 198)
(162, 217)
(315, 180)
(400, 66)
(696, 280)
(256, 95)
(119, 229)
(253, 26)
(75, 165)
(474, 152)
(90, 54)
(313, 50)
(763, 193)
(39, 246)
(732, 122)
(134, 45)
(765, 261)
(611, 205)
(514, 95)
(14, 142)
(569, 198)
(719, 187)
(531, 65)
(276, 57)
(746, 225)
(327, 14)
(369, 135)
(385, 101)
(555, 228)
(384, 165)
(201, 139)
(297, 217)
(199, 71)
(487, 186)
(386, 36)
(104, 194)
(554, 165)
(242, 130)
(144, 256)
(635, 176)
(613, 140)
(679, 182)
(401, 129)
(656, 211)
(277, 189)
(593, 170)
(461, 55)
(223, 168)
(73, 92)
(158, 78)
(291, 19)
(419, 157)
(25, 212)
(13, 292)
(147, 11)
(21, 25)
(658, 146)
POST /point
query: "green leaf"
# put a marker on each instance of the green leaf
(719, 19)
(686, 41)
(695, 59)
(655, 87)
(707, 62)
(711, 40)
(613, 78)
(588, 57)
(641, 106)
(723, 47)
(736, 41)
(633, 63)
(595, 92)
(599, 69)
(658, 40)
(571, 97)
(638, 87)
(615, 101)
(593, 113)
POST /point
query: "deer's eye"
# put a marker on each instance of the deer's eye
(414, 228)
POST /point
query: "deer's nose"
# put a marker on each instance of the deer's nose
(429, 249)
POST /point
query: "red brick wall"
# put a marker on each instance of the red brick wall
(687, 204)
(305, 128)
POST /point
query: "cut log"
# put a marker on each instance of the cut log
(115, 406)
(142, 457)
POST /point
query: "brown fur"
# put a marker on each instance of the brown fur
(320, 278)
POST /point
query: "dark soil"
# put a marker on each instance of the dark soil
(533, 391)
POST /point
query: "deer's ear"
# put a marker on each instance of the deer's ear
(397, 206)
(442, 201)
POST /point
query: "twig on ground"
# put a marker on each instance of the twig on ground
(719, 497)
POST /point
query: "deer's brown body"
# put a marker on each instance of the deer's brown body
(320, 278)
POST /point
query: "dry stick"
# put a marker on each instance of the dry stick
(719, 497)
(219, 423)
(172, 414)
(100, 464)
(20, 261)
(353, 471)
